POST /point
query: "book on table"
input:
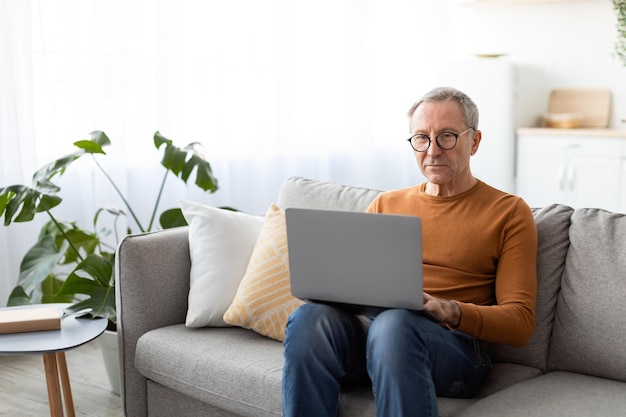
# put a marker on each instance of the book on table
(19, 320)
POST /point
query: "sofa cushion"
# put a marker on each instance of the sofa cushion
(236, 370)
(553, 242)
(165, 402)
(556, 394)
(503, 375)
(263, 301)
(231, 368)
(220, 246)
(307, 193)
(590, 321)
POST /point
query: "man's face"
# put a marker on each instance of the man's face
(444, 167)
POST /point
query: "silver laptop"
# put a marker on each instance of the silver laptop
(360, 261)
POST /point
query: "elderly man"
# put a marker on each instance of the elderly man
(479, 255)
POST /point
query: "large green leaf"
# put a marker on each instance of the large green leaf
(20, 203)
(47, 294)
(81, 239)
(204, 174)
(18, 297)
(93, 277)
(40, 261)
(5, 197)
(49, 289)
(182, 162)
(42, 179)
(172, 218)
(98, 139)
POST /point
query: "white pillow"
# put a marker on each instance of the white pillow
(220, 245)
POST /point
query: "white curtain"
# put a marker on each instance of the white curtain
(271, 88)
(17, 140)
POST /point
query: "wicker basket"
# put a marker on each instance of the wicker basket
(563, 120)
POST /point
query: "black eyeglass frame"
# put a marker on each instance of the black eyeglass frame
(430, 141)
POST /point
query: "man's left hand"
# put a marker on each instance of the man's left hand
(446, 311)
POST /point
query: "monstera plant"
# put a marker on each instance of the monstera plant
(620, 43)
(75, 265)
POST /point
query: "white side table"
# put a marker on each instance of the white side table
(52, 344)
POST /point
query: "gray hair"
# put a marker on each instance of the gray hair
(468, 107)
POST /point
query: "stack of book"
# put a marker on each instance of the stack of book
(30, 319)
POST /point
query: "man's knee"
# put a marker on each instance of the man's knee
(393, 329)
(313, 322)
(312, 317)
(394, 321)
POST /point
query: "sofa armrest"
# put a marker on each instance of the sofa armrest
(152, 288)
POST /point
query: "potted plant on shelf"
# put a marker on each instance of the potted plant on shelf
(75, 265)
(620, 43)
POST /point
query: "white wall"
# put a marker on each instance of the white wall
(571, 41)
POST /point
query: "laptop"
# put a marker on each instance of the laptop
(362, 262)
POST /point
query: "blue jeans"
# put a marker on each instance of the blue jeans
(409, 359)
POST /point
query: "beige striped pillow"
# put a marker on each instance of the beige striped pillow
(263, 301)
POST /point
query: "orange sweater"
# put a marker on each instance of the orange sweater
(480, 250)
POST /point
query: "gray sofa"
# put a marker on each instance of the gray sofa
(574, 365)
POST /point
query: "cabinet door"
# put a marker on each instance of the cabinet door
(594, 181)
(541, 178)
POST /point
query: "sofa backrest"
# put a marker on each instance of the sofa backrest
(301, 192)
(590, 321)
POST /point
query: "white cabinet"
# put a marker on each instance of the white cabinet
(580, 168)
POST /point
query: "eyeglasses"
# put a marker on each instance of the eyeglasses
(445, 140)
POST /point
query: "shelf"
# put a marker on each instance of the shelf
(609, 133)
(512, 2)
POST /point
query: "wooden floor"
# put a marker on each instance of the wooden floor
(23, 385)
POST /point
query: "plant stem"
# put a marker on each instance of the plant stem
(65, 236)
(620, 43)
(117, 238)
(156, 204)
(130, 210)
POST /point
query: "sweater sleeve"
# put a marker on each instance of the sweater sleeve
(512, 319)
